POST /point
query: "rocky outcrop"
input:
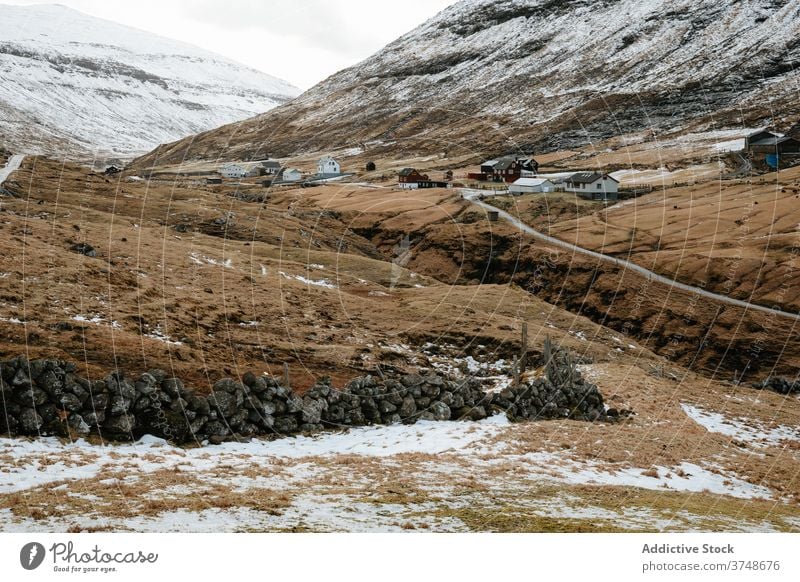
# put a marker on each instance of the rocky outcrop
(49, 397)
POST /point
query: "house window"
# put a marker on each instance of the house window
(599, 186)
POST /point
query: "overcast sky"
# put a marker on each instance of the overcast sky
(301, 41)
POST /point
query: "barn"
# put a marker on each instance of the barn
(531, 186)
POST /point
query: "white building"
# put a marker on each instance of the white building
(531, 185)
(292, 175)
(328, 165)
(233, 171)
(592, 185)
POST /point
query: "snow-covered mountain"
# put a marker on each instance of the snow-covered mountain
(504, 75)
(74, 84)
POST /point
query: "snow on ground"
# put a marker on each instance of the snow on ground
(198, 259)
(321, 283)
(746, 430)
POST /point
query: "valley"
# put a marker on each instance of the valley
(328, 312)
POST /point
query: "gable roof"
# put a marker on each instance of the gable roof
(589, 178)
(772, 141)
(504, 163)
(271, 164)
(531, 182)
(407, 172)
(761, 132)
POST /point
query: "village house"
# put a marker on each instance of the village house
(531, 185)
(291, 175)
(506, 169)
(409, 178)
(412, 179)
(593, 186)
(271, 167)
(233, 171)
(327, 166)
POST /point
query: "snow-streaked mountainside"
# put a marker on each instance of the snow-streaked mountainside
(506, 74)
(75, 84)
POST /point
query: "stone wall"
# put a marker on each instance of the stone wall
(49, 397)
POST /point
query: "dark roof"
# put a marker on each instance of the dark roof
(407, 171)
(585, 177)
(504, 163)
(760, 132)
(271, 164)
(588, 177)
(772, 141)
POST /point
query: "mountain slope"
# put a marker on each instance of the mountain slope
(488, 75)
(75, 84)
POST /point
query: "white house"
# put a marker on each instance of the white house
(531, 185)
(592, 185)
(328, 165)
(233, 171)
(292, 175)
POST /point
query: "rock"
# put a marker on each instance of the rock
(120, 425)
(249, 379)
(408, 407)
(49, 413)
(386, 407)
(31, 396)
(50, 383)
(224, 402)
(228, 385)
(84, 249)
(21, 379)
(294, 403)
(78, 425)
(29, 421)
(393, 419)
(285, 424)
(312, 410)
(173, 387)
(440, 411)
(119, 405)
(157, 373)
(94, 418)
(117, 384)
(69, 402)
(215, 428)
(199, 404)
(426, 415)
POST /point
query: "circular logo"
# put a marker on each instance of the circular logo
(31, 555)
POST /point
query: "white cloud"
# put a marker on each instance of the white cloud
(302, 41)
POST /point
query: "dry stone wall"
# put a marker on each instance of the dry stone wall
(49, 397)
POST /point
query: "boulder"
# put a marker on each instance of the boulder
(224, 402)
(440, 411)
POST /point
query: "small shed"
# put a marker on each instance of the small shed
(531, 185)
(493, 215)
(291, 175)
(213, 181)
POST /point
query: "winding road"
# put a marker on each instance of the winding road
(13, 165)
(472, 196)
